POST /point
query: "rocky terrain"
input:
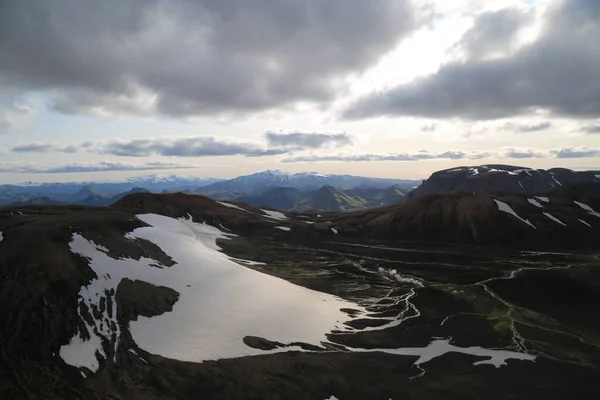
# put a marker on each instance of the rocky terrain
(450, 295)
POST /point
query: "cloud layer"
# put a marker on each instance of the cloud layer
(559, 72)
(103, 166)
(200, 146)
(562, 153)
(183, 58)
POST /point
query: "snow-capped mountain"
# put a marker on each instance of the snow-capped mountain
(299, 181)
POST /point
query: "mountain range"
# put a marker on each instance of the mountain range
(269, 188)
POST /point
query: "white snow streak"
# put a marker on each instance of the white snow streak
(275, 215)
(506, 208)
(284, 228)
(585, 223)
(544, 199)
(231, 206)
(1, 237)
(553, 218)
(535, 203)
(335, 231)
(588, 209)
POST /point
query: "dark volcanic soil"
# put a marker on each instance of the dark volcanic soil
(540, 303)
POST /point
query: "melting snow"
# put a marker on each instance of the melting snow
(535, 203)
(506, 208)
(440, 347)
(275, 215)
(82, 353)
(544, 199)
(283, 228)
(231, 206)
(583, 222)
(553, 218)
(223, 303)
(335, 231)
(588, 209)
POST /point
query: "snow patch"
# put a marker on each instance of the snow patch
(335, 231)
(223, 203)
(275, 215)
(506, 208)
(284, 228)
(587, 208)
(440, 347)
(585, 223)
(1, 237)
(544, 199)
(553, 218)
(535, 203)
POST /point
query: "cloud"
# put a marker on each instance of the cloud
(35, 148)
(569, 152)
(593, 129)
(559, 72)
(199, 146)
(307, 140)
(187, 58)
(493, 32)
(566, 152)
(13, 111)
(103, 166)
(421, 155)
(429, 128)
(524, 128)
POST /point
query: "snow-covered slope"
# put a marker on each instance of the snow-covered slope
(220, 301)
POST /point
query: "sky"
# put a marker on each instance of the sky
(106, 90)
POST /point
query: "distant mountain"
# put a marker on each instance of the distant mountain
(486, 179)
(330, 198)
(374, 196)
(35, 201)
(304, 180)
(282, 198)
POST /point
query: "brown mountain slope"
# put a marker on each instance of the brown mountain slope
(462, 217)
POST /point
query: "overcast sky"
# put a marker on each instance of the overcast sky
(93, 90)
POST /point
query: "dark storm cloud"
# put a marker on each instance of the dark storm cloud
(559, 72)
(307, 140)
(524, 128)
(196, 57)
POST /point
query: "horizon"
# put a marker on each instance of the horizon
(105, 92)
